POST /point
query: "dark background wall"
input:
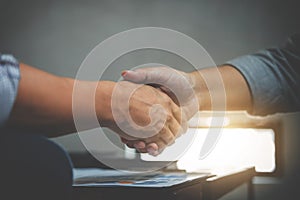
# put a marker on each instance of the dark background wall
(57, 35)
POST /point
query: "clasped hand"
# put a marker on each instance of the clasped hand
(158, 110)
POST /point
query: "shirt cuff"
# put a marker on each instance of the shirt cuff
(9, 81)
(262, 83)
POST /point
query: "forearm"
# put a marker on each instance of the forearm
(237, 93)
(44, 103)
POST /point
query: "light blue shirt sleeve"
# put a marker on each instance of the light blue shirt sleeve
(9, 81)
(273, 76)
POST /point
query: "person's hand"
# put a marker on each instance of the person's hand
(178, 85)
(141, 112)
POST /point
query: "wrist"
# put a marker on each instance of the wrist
(199, 85)
(103, 107)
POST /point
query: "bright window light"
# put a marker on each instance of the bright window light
(236, 148)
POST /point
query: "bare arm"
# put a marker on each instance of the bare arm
(44, 105)
(238, 96)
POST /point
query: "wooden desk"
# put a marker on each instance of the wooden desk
(217, 186)
(205, 188)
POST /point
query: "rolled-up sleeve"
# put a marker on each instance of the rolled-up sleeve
(9, 80)
(273, 76)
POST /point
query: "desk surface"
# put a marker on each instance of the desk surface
(204, 187)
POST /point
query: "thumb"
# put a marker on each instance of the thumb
(134, 76)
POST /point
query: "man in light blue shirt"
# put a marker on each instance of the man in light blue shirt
(35, 105)
(10, 75)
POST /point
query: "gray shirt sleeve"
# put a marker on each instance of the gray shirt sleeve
(9, 80)
(273, 76)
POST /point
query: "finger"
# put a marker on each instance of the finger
(147, 75)
(166, 136)
(130, 145)
(127, 142)
(156, 148)
(178, 125)
(152, 149)
(140, 146)
(155, 145)
(142, 150)
(175, 128)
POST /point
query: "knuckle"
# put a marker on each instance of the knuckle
(176, 132)
(169, 117)
(161, 145)
(167, 138)
(163, 130)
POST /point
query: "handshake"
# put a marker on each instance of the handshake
(151, 107)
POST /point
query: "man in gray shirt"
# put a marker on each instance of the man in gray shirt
(263, 83)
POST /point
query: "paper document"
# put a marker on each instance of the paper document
(103, 177)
